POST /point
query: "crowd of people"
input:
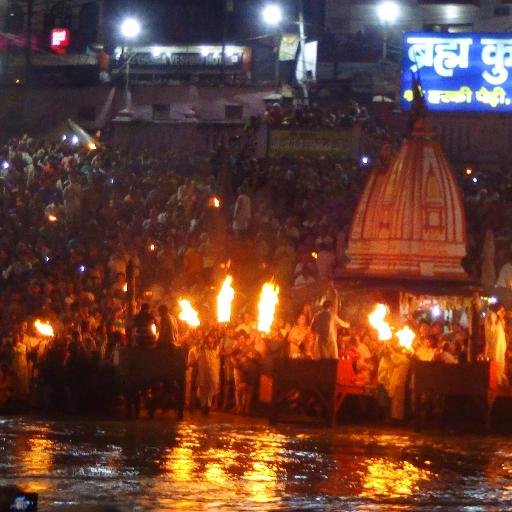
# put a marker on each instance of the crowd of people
(75, 217)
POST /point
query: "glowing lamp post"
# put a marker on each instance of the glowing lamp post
(130, 30)
(272, 15)
(388, 12)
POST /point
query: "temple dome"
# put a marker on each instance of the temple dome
(410, 218)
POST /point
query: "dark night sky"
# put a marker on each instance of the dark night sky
(197, 21)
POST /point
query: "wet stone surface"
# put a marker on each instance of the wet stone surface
(227, 463)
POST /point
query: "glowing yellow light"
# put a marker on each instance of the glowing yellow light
(52, 218)
(188, 314)
(269, 299)
(214, 202)
(153, 329)
(125, 287)
(405, 337)
(392, 479)
(91, 146)
(37, 460)
(314, 255)
(469, 172)
(224, 300)
(152, 247)
(43, 328)
(18, 80)
(376, 320)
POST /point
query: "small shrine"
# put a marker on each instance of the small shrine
(410, 220)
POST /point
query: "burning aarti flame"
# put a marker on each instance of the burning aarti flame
(269, 299)
(376, 320)
(405, 337)
(188, 314)
(52, 218)
(214, 202)
(153, 329)
(224, 300)
(43, 328)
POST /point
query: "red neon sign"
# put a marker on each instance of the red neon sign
(59, 40)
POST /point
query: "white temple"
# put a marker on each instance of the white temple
(410, 221)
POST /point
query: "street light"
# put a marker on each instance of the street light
(388, 12)
(130, 29)
(272, 15)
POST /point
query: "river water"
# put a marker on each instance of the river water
(226, 463)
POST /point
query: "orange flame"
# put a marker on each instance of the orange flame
(153, 329)
(188, 314)
(214, 202)
(405, 337)
(224, 300)
(43, 328)
(52, 218)
(125, 287)
(376, 320)
(269, 299)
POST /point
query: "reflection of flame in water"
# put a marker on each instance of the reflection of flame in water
(37, 462)
(392, 479)
(262, 478)
(231, 473)
(180, 463)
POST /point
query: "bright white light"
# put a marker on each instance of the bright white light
(436, 311)
(47, 259)
(205, 51)
(388, 12)
(493, 300)
(475, 180)
(5, 165)
(81, 268)
(451, 12)
(74, 140)
(230, 51)
(365, 160)
(272, 14)
(156, 51)
(130, 28)
(64, 137)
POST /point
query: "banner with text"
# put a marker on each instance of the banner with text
(463, 72)
(314, 143)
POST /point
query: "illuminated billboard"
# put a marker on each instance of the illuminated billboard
(463, 72)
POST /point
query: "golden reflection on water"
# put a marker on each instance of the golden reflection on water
(262, 476)
(233, 468)
(179, 463)
(392, 479)
(36, 461)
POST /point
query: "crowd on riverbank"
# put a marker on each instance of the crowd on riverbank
(75, 216)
